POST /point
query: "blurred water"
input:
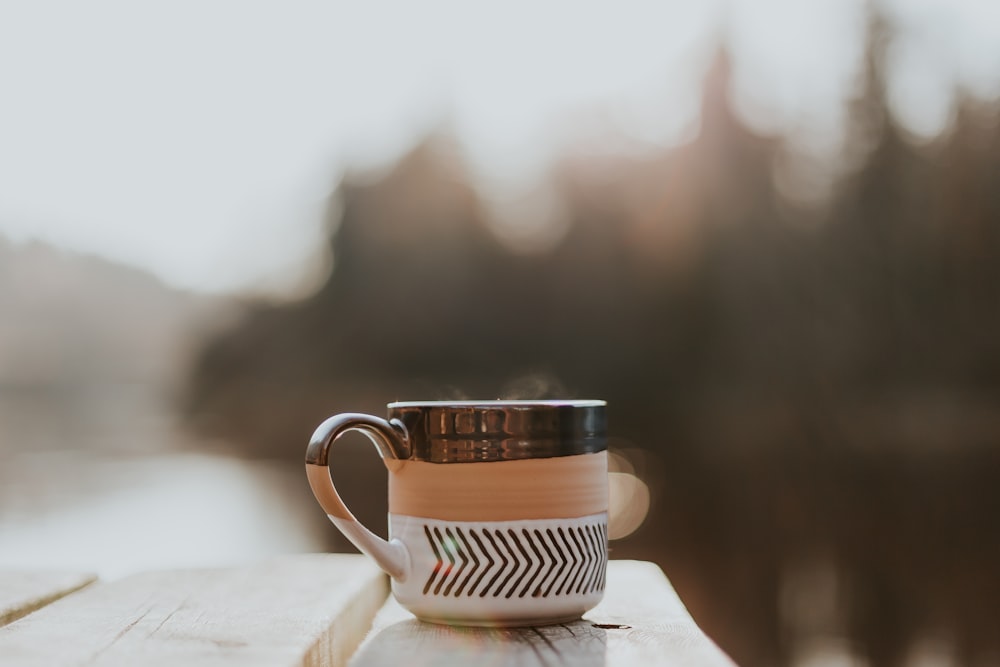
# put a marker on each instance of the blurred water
(114, 516)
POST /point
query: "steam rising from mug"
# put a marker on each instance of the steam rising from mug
(533, 386)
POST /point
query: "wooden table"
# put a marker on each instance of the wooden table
(320, 610)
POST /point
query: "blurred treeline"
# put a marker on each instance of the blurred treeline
(90, 352)
(816, 384)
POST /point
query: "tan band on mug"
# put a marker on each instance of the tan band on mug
(563, 487)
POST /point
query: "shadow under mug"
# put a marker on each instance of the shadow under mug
(498, 510)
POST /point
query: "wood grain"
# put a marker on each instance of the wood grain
(23, 592)
(640, 622)
(309, 610)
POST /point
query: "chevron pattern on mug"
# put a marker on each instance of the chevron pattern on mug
(539, 561)
(502, 572)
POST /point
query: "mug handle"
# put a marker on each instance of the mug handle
(392, 443)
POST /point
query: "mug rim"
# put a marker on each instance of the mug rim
(484, 430)
(501, 403)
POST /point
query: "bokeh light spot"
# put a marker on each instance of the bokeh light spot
(628, 504)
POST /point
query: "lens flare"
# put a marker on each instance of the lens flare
(628, 504)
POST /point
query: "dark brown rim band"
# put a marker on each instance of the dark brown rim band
(470, 431)
(473, 431)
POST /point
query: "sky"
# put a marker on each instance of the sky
(201, 140)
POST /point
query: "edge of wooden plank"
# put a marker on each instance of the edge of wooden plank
(304, 610)
(22, 593)
(346, 632)
(641, 621)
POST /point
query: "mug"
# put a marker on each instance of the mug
(498, 510)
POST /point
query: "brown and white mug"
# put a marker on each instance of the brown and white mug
(498, 510)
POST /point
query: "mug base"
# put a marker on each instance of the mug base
(505, 623)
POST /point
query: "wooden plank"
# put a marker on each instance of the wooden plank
(23, 592)
(641, 621)
(308, 610)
